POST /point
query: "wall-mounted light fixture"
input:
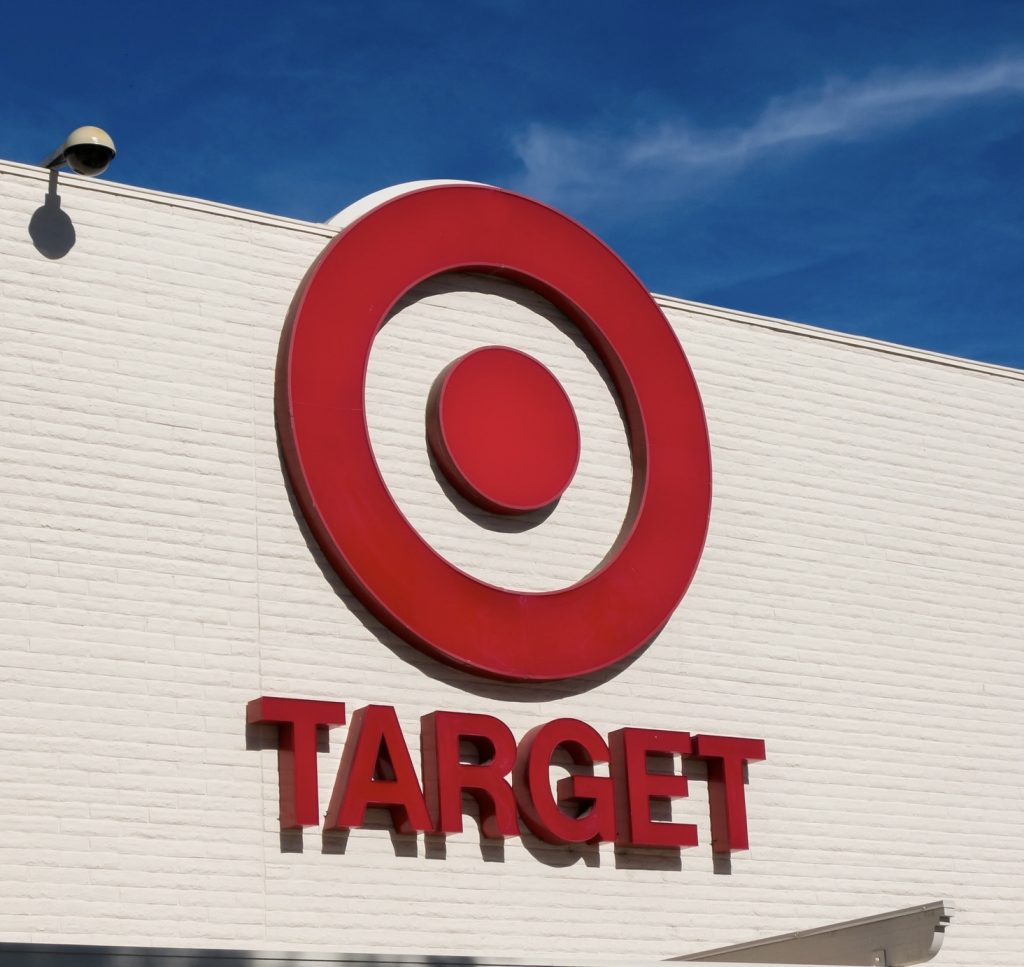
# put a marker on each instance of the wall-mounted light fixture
(87, 150)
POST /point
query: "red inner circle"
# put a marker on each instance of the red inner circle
(503, 430)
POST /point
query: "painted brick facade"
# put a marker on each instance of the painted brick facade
(859, 606)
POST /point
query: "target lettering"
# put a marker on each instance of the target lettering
(510, 782)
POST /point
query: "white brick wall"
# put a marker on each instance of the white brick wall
(859, 606)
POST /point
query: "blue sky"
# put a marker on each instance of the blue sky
(854, 165)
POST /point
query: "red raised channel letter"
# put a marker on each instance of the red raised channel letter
(297, 720)
(636, 786)
(446, 776)
(376, 770)
(594, 796)
(725, 756)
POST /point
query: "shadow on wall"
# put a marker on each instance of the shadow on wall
(433, 846)
(51, 229)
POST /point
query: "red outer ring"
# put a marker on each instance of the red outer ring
(325, 349)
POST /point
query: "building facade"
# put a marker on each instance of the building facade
(858, 606)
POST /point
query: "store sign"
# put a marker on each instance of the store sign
(502, 430)
(507, 780)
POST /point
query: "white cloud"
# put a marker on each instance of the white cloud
(561, 163)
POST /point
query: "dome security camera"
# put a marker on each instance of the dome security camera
(86, 150)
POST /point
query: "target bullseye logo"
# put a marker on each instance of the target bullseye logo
(502, 430)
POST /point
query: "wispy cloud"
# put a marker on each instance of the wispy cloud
(561, 162)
